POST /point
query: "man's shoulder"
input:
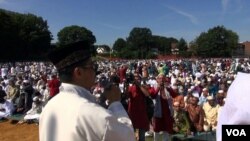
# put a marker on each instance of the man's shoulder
(74, 104)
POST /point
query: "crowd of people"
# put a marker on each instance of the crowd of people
(161, 97)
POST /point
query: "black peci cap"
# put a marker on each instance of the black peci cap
(67, 55)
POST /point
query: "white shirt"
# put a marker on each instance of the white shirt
(4, 72)
(13, 71)
(73, 115)
(152, 82)
(121, 86)
(9, 108)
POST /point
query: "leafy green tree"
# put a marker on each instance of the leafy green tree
(34, 33)
(119, 45)
(75, 33)
(107, 48)
(128, 52)
(182, 46)
(23, 36)
(172, 42)
(8, 34)
(193, 48)
(163, 44)
(140, 39)
(217, 42)
(143, 45)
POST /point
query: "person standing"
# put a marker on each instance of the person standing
(137, 111)
(74, 114)
(122, 72)
(53, 85)
(162, 119)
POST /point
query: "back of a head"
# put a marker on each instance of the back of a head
(69, 54)
(66, 57)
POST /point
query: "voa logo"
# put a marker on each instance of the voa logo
(236, 132)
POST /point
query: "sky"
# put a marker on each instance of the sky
(112, 19)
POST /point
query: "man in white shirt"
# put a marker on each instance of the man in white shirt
(6, 108)
(73, 114)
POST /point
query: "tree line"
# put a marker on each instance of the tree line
(23, 36)
(27, 37)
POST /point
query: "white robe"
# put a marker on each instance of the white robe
(34, 112)
(8, 107)
(73, 115)
(236, 108)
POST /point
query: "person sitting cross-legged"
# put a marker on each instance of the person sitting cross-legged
(6, 108)
(34, 113)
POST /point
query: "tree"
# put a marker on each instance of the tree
(8, 34)
(75, 33)
(193, 48)
(128, 54)
(34, 34)
(182, 46)
(106, 47)
(143, 45)
(217, 42)
(140, 39)
(163, 44)
(23, 36)
(119, 45)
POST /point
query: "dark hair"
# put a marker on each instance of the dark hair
(2, 100)
(65, 74)
(129, 78)
(115, 79)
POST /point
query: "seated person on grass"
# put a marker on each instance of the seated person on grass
(6, 108)
(181, 122)
(34, 113)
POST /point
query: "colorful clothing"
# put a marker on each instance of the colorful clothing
(162, 120)
(137, 108)
(54, 85)
(211, 114)
(196, 115)
(181, 121)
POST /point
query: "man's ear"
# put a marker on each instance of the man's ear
(77, 72)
